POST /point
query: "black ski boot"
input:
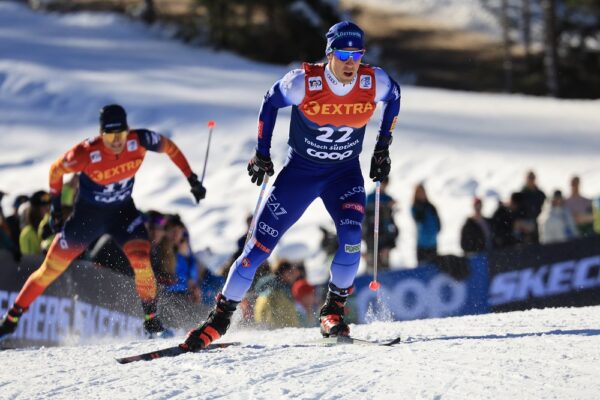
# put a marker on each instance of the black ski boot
(153, 325)
(214, 327)
(332, 312)
(8, 323)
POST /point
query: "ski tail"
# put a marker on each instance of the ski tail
(171, 352)
(335, 340)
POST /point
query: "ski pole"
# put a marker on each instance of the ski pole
(263, 188)
(374, 285)
(211, 125)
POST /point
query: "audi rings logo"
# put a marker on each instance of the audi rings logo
(329, 155)
(262, 227)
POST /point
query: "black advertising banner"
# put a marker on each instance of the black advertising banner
(554, 275)
(85, 303)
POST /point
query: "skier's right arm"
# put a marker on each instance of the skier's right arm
(285, 92)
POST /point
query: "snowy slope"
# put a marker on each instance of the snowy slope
(542, 354)
(469, 15)
(56, 71)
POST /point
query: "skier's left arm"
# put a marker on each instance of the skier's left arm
(388, 92)
(153, 141)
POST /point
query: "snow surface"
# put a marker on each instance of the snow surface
(56, 71)
(539, 354)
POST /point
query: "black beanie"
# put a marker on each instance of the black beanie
(113, 118)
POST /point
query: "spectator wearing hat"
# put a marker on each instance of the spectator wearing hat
(476, 233)
(274, 306)
(558, 224)
(29, 239)
(305, 297)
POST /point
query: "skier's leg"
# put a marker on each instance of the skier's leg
(291, 194)
(79, 230)
(130, 233)
(345, 202)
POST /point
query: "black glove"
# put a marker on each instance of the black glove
(258, 166)
(56, 219)
(380, 165)
(197, 189)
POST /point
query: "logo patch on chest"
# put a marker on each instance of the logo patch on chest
(132, 145)
(315, 83)
(366, 82)
(95, 156)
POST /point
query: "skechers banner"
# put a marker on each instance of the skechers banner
(555, 275)
(83, 304)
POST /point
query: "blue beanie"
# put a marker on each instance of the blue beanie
(344, 34)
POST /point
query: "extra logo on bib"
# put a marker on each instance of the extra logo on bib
(315, 83)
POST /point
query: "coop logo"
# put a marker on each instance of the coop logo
(275, 207)
(315, 83)
(329, 155)
(365, 82)
(315, 108)
(95, 156)
(264, 228)
(352, 192)
(548, 280)
(412, 298)
(354, 206)
(132, 145)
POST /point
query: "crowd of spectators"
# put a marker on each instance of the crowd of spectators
(281, 296)
(529, 217)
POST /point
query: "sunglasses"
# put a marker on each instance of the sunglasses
(344, 55)
(114, 136)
